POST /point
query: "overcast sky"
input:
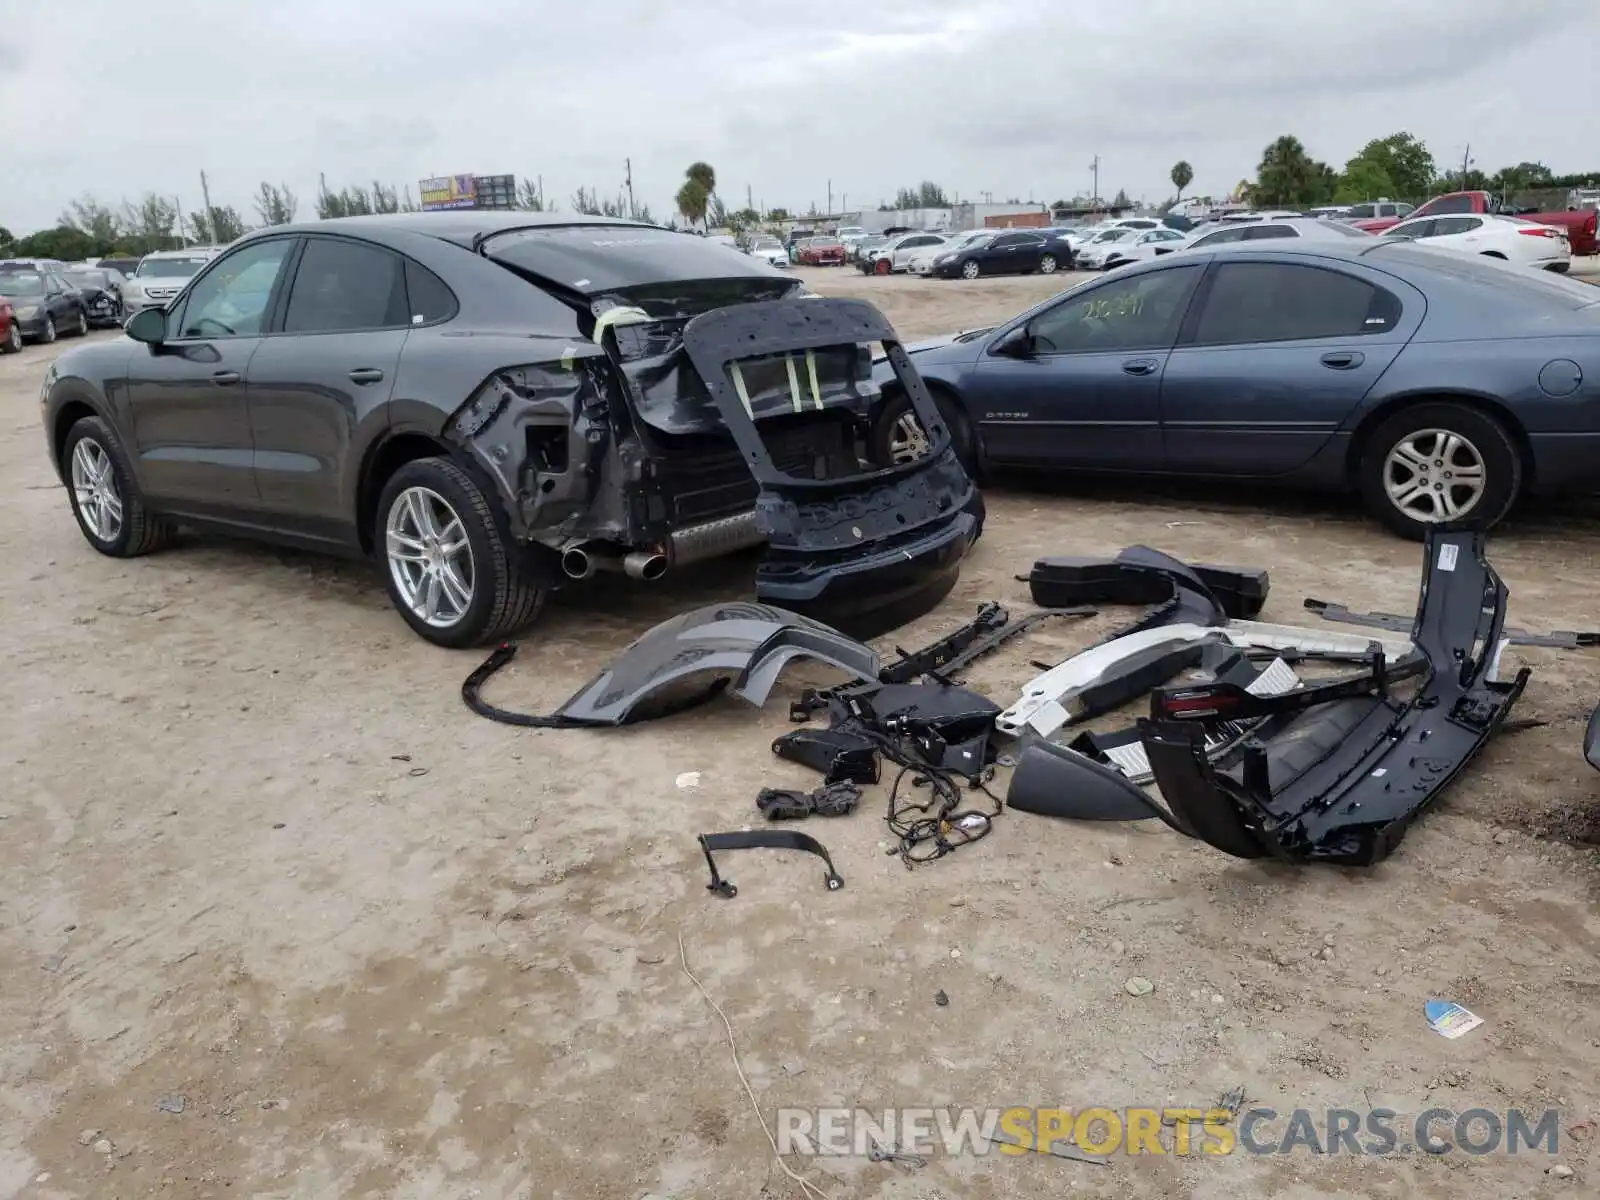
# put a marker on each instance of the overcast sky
(1012, 97)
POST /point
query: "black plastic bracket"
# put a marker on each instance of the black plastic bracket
(771, 839)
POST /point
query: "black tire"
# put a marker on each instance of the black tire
(141, 531)
(81, 329)
(1048, 264)
(12, 342)
(49, 334)
(507, 592)
(1489, 442)
(971, 269)
(899, 406)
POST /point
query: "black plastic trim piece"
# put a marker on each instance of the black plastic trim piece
(1341, 783)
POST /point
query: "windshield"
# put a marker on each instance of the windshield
(973, 240)
(84, 279)
(18, 283)
(170, 268)
(768, 244)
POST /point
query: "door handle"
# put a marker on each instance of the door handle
(225, 378)
(1139, 366)
(1343, 360)
(366, 375)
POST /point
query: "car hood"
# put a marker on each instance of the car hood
(964, 346)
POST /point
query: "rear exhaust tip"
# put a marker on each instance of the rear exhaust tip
(648, 565)
(577, 563)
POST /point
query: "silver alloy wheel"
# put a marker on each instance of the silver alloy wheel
(49, 328)
(94, 490)
(430, 558)
(14, 338)
(1434, 475)
(970, 270)
(83, 324)
(1047, 265)
(907, 441)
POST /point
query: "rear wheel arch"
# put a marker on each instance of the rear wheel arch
(1491, 408)
(950, 405)
(382, 459)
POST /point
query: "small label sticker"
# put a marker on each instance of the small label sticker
(1380, 772)
(1447, 557)
(1450, 1020)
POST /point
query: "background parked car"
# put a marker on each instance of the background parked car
(1376, 210)
(101, 295)
(126, 266)
(1092, 254)
(920, 261)
(1512, 239)
(1142, 247)
(43, 304)
(1008, 252)
(1582, 228)
(858, 250)
(897, 254)
(822, 252)
(161, 276)
(1436, 385)
(1286, 227)
(769, 250)
(10, 331)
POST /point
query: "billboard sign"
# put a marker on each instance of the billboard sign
(448, 191)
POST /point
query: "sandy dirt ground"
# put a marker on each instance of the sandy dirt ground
(280, 918)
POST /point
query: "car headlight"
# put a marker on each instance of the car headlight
(27, 312)
(944, 258)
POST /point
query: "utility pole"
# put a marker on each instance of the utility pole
(844, 202)
(1094, 169)
(749, 196)
(829, 210)
(539, 183)
(183, 236)
(205, 195)
(1466, 163)
(628, 165)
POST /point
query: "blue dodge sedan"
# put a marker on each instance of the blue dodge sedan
(1442, 387)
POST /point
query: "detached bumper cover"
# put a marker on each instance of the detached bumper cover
(1342, 783)
(864, 552)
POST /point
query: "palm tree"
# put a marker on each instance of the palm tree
(1182, 176)
(692, 199)
(1287, 175)
(703, 174)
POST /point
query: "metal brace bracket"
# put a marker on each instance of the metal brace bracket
(754, 839)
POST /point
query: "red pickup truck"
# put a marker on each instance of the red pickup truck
(1579, 224)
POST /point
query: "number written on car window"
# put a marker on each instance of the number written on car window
(1139, 312)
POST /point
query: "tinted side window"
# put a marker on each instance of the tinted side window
(1452, 204)
(1277, 302)
(1220, 237)
(341, 286)
(1006, 240)
(1141, 312)
(430, 300)
(1362, 212)
(1257, 233)
(231, 298)
(1448, 225)
(1414, 229)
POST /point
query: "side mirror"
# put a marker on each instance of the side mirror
(1016, 343)
(148, 325)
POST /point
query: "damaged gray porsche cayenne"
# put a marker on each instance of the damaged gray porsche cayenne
(491, 404)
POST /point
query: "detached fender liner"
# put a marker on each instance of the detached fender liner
(862, 552)
(1342, 782)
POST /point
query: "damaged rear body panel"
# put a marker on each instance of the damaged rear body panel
(633, 447)
(1342, 782)
(854, 547)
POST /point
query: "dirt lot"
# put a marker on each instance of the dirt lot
(258, 861)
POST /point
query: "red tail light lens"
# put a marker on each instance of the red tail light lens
(1540, 231)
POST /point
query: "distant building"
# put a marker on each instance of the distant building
(995, 216)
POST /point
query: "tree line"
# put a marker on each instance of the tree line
(1397, 167)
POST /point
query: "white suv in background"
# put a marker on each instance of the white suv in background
(162, 274)
(897, 255)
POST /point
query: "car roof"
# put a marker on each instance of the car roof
(465, 227)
